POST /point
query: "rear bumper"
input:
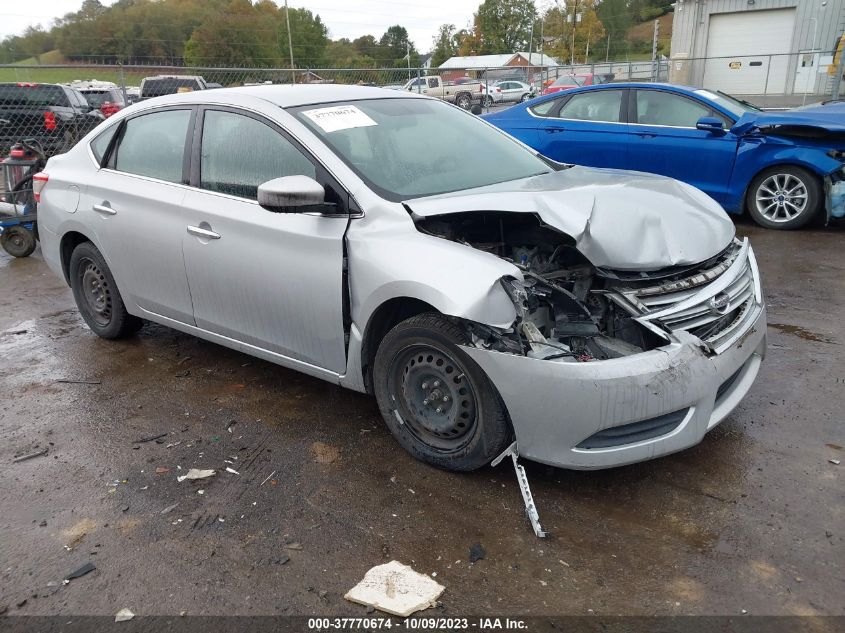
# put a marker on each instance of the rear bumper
(567, 414)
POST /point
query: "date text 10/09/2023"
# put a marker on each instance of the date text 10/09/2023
(418, 624)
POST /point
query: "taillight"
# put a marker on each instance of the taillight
(498, 89)
(49, 121)
(108, 108)
(38, 181)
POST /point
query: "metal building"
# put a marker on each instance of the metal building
(754, 47)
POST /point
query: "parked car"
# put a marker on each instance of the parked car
(170, 84)
(598, 317)
(491, 95)
(464, 92)
(56, 116)
(784, 168)
(514, 91)
(103, 95)
(568, 82)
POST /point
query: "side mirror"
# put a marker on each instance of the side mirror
(292, 194)
(710, 124)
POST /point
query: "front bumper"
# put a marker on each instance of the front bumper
(557, 406)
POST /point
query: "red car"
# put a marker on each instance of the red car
(568, 82)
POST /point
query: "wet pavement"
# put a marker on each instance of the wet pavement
(752, 519)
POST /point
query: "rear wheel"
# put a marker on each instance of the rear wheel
(523, 98)
(464, 101)
(488, 101)
(784, 197)
(18, 241)
(439, 405)
(97, 296)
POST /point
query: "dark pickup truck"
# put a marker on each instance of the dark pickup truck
(56, 116)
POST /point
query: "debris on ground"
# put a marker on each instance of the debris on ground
(294, 546)
(123, 615)
(266, 478)
(169, 508)
(325, 453)
(232, 470)
(160, 470)
(152, 438)
(395, 589)
(525, 489)
(835, 462)
(78, 573)
(23, 458)
(476, 553)
(68, 381)
(196, 473)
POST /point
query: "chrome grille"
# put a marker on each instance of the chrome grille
(712, 304)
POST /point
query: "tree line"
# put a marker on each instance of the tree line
(255, 34)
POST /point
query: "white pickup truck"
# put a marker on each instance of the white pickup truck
(462, 95)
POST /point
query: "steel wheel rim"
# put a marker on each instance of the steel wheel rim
(433, 397)
(781, 198)
(15, 239)
(96, 292)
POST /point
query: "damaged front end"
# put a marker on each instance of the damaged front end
(573, 312)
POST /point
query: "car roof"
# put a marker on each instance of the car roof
(286, 95)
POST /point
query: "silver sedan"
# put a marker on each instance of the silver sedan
(484, 295)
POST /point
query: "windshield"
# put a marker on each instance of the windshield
(733, 105)
(97, 98)
(32, 95)
(409, 148)
(570, 81)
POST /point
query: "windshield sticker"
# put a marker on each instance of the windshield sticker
(339, 118)
(705, 94)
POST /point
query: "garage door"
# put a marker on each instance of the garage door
(742, 42)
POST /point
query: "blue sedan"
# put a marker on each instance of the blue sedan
(783, 168)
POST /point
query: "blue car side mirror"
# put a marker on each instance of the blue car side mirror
(710, 124)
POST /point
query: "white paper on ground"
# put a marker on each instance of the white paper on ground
(396, 589)
(343, 117)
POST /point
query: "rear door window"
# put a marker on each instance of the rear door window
(153, 145)
(655, 107)
(34, 95)
(599, 105)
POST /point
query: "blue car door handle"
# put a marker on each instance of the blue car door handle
(555, 128)
(646, 134)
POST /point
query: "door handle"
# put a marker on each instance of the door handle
(204, 233)
(551, 130)
(105, 209)
(646, 134)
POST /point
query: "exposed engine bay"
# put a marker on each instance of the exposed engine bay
(565, 305)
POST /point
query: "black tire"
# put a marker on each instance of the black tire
(523, 98)
(463, 100)
(459, 424)
(18, 241)
(97, 296)
(488, 101)
(784, 197)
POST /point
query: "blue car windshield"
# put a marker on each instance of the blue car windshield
(736, 107)
(410, 148)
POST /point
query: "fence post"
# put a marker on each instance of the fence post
(630, 72)
(766, 85)
(837, 82)
(419, 84)
(488, 100)
(122, 82)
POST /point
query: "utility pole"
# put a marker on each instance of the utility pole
(607, 54)
(408, 57)
(574, 24)
(290, 45)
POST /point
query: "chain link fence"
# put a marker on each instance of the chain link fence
(37, 102)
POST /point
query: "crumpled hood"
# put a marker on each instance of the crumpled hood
(823, 118)
(619, 219)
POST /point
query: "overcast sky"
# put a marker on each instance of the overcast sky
(343, 18)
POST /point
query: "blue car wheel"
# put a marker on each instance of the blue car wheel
(784, 197)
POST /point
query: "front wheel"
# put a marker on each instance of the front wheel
(524, 97)
(18, 241)
(488, 101)
(784, 197)
(437, 403)
(97, 296)
(463, 101)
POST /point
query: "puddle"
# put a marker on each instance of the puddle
(800, 332)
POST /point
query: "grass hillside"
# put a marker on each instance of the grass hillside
(644, 32)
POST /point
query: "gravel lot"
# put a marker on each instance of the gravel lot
(752, 519)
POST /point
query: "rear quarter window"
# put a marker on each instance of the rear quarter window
(34, 95)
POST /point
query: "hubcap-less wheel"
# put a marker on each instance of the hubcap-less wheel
(96, 291)
(436, 401)
(464, 102)
(18, 241)
(781, 198)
